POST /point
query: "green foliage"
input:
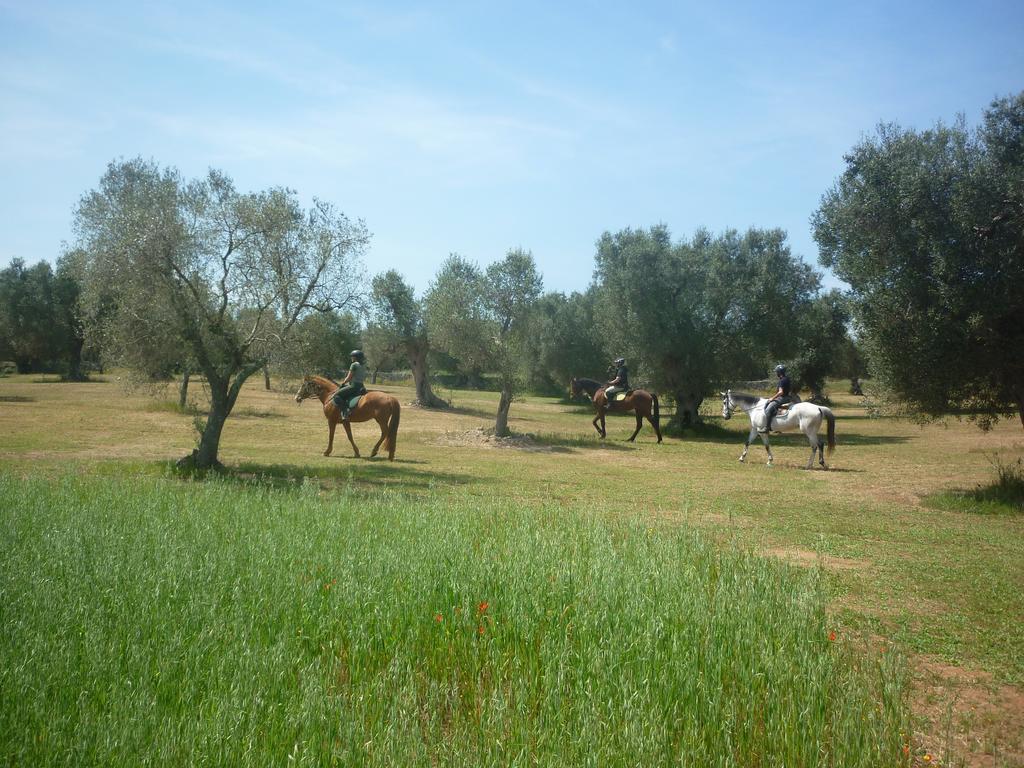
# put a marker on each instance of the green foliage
(928, 229)
(821, 342)
(400, 331)
(320, 343)
(39, 324)
(457, 317)
(702, 312)
(152, 621)
(566, 342)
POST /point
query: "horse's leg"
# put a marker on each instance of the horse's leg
(604, 426)
(639, 423)
(594, 422)
(348, 431)
(382, 422)
(812, 438)
(332, 423)
(767, 447)
(750, 439)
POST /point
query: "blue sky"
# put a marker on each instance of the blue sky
(479, 127)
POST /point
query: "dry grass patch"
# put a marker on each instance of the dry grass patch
(965, 718)
(808, 559)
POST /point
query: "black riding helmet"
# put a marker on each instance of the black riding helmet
(780, 370)
(620, 361)
(358, 355)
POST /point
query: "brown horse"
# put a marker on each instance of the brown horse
(373, 405)
(641, 402)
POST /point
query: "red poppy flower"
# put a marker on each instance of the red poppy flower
(483, 606)
(832, 636)
(438, 618)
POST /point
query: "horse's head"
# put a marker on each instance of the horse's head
(727, 404)
(309, 388)
(574, 388)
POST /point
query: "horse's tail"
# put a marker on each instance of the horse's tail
(392, 440)
(827, 413)
(657, 410)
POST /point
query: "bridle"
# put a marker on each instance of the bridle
(729, 405)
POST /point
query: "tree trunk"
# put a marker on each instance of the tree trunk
(183, 389)
(501, 423)
(223, 395)
(687, 409)
(420, 375)
(266, 377)
(209, 442)
(373, 376)
(75, 360)
(1019, 396)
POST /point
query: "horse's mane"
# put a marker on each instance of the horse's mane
(324, 380)
(746, 398)
(588, 382)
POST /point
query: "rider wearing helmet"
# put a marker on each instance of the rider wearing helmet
(352, 385)
(780, 398)
(621, 381)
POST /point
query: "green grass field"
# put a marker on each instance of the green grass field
(546, 599)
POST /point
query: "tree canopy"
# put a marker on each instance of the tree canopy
(694, 314)
(927, 227)
(199, 268)
(401, 325)
(483, 318)
(39, 319)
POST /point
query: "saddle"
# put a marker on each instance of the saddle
(618, 397)
(347, 407)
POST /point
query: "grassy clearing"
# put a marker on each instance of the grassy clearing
(155, 622)
(942, 583)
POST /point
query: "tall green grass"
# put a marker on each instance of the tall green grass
(155, 622)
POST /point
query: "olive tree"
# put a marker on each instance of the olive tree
(483, 318)
(697, 314)
(401, 321)
(222, 276)
(928, 229)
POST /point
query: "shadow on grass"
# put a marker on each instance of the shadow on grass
(712, 431)
(364, 474)
(254, 413)
(465, 411)
(572, 443)
(1003, 496)
(16, 399)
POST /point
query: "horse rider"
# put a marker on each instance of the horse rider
(621, 381)
(353, 383)
(780, 398)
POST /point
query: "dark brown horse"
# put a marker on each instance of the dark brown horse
(373, 405)
(641, 402)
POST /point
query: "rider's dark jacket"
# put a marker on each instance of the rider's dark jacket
(622, 374)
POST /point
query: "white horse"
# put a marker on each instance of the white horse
(805, 416)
